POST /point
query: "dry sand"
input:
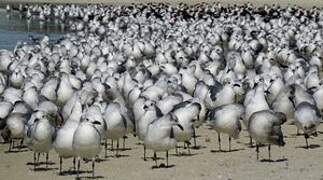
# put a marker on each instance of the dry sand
(290, 162)
(303, 3)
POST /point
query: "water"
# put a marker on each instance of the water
(14, 27)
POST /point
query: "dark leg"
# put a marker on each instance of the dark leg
(219, 140)
(306, 137)
(35, 161)
(194, 137)
(176, 149)
(93, 165)
(257, 150)
(166, 158)
(269, 155)
(78, 167)
(74, 162)
(112, 145)
(117, 155)
(47, 160)
(60, 165)
(21, 143)
(38, 155)
(145, 153)
(124, 142)
(10, 145)
(155, 158)
(13, 144)
(250, 142)
(188, 148)
(229, 143)
(105, 148)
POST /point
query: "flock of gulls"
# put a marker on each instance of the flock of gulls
(159, 72)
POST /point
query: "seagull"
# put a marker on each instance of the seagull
(40, 135)
(116, 123)
(265, 128)
(226, 119)
(307, 118)
(186, 113)
(160, 135)
(63, 143)
(16, 125)
(86, 142)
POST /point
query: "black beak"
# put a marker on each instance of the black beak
(180, 126)
(96, 122)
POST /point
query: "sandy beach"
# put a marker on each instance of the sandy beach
(302, 3)
(290, 162)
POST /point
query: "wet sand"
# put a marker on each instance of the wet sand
(290, 162)
(302, 3)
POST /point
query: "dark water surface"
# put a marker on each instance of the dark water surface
(15, 27)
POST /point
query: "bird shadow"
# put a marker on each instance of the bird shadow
(16, 151)
(311, 146)
(272, 161)
(183, 154)
(198, 147)
(73, 172)
(125, 149)
(227, 151)
(42, 169)
(39, 163)
(98, 160)
(90, 177)
(163, 166)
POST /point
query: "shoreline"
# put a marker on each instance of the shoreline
(301, 3)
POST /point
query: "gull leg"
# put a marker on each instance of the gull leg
(74, 162)
(219, 140)
(257, 150)
(10, 144)
(124, 142)
(60, 165)
(117, 148)
(145, 153)
(229, 143)
(269, 155)
(155, 158)
(78, 167)
(194, 137)
(166, 158)
(38, 157)
(306, 137)
(250, 141)
(93, 166)
(47, 154)
(112, 145)
(188, 148)
(105, 148)
(35, 161)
